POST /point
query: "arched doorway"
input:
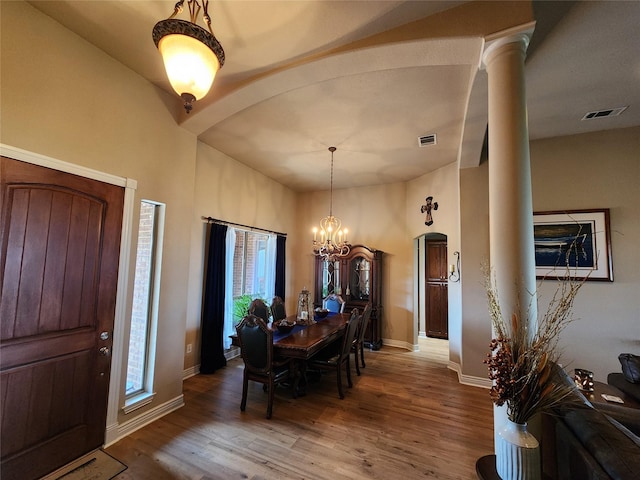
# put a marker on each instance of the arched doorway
(436, 288)
(432, 286)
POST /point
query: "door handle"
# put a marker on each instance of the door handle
(104, 351)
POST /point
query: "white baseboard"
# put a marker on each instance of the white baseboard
(121, 430)
(468, 379)
(387, 342)
(230, 354)
(116, 432)
(233, 352)
(190, 372)
(463, 379)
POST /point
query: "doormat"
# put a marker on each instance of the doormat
(96, 465)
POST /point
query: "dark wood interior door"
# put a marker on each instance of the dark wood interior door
(437, 289)
(60, 242)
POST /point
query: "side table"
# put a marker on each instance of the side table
(486, 468)
(595, 397)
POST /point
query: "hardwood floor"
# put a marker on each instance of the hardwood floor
(405, 417)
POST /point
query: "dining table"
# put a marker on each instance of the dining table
(304, 341)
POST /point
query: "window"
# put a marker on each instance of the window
(250, 265)
(144, 312)
(252, 274)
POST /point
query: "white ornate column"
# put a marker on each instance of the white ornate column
(510, 200)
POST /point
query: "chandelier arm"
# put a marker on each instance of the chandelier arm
(194, 9)
(205, 15)
(177, 8)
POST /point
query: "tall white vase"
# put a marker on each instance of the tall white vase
(517, 453)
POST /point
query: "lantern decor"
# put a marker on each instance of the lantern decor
(304, 315)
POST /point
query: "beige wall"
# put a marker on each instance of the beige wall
(597, 170)
(228, 190)
(388, 218)
(588, 171)
(474, 228)
(63, 98)
(443, 186)
(375, 217)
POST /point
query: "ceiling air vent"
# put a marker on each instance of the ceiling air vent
(609, 112)
(427, 140)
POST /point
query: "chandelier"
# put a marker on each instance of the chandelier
(333, 242)
(192, 55)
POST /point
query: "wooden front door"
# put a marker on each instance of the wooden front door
(437, 289)
(59, 250)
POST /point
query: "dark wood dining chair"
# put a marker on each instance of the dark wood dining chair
(256, 349)
(328, 359)
(358, 342)
(334, 303)
(278, 310)
(259, 309)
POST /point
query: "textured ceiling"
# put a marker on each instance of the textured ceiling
(370, 77)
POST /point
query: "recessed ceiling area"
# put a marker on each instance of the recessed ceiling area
(375, 139)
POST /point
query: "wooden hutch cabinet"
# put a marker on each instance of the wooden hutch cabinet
(357, 277)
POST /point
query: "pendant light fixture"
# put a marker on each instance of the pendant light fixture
(192, 55)
(333, 242)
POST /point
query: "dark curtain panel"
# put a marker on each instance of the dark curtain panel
(280, 265)
(211, 350)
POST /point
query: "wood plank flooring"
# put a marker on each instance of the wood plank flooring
(406, 417)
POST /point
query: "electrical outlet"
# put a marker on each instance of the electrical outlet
(189, 348)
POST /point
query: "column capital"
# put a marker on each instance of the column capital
(495, 43)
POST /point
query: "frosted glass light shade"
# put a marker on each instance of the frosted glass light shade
(190, 64)
(192, 57)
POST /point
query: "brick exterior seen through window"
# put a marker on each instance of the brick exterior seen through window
(140, 314)
(249, 267)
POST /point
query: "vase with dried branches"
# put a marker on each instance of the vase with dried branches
(522, 358)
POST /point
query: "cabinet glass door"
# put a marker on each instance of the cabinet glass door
(330, 277)
(360, 278)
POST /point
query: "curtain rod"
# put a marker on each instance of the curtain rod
(215, 220)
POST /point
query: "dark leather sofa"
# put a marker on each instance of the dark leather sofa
(587, 442)
(619, 381)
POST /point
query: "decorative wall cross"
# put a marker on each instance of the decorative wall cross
(430, 205)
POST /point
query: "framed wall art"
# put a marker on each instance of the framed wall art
(573, 243)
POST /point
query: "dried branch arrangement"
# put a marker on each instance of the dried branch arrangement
(521, 361)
